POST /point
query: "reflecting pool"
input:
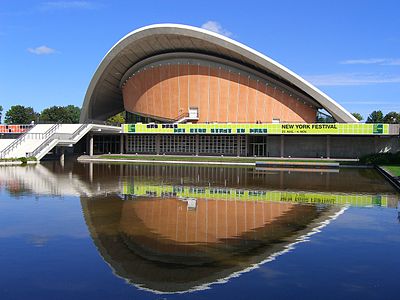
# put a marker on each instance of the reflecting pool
(133, 231)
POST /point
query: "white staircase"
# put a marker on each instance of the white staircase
(39, 141)
(29, 140)
(42, 138)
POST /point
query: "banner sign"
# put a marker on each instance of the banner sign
(259, 129)
(168, 191)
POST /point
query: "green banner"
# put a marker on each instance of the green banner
(257, 129)
(149, 190)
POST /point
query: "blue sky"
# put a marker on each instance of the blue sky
(349, 49)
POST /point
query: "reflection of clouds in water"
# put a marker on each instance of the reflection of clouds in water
(270, 273)
(359, 269)
(38, 240)
(351, 287)
(19, 234)
(392, 238)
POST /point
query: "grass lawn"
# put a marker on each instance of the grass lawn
(394, 170)
(208, 158)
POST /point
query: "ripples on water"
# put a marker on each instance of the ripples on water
(137, 231)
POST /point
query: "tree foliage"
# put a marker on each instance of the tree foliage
(116, 120)
(1, 112)
(392, 118)
(375, 117)
(61, 114)
(19, 114)
(358, 116)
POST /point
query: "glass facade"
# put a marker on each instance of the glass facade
(187, 144)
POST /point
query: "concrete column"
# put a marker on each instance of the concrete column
(121, 143)
(238, 140)
(282, 145)
(91, 145)
(197, 144)
(62, 156)
(328, 180)
(328, 146)
(91, 172)
(247, 145)
(87, 144)
(157, 144)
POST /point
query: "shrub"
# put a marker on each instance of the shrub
(24, 160)
(21, 159)
(381, 158)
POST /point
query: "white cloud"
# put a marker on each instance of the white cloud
(392, 62)
(42, 50)
(56, 5)
(351, 79)
(373, 61)
(216, 27)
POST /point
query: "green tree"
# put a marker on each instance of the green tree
(19, 114)
(116, 120)
(1, 112)
(375, 117)
(61, 114)
(358, 116)
(74, 112)
(392, 118)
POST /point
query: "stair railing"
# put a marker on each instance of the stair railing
(58, 136)
(15, 143)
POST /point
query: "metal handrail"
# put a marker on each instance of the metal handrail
(182, 115)
(79, 130)
(26, 135)
(14, 143)
(59, 136)
(51, 129)
(44, 144)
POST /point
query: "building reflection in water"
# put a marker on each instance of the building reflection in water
(181, 228)
(163, 245)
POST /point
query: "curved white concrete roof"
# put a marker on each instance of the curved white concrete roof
(104, 97)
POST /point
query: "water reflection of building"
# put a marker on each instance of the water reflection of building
(161, 245)
(181, 228)
(154, 239)
(355, 187)
(348, 187)
(53, 179)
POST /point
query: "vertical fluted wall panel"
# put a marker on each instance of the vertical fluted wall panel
(221, 95)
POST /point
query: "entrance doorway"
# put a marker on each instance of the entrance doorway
(259, 149)
(258, 146)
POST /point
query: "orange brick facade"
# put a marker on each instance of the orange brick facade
(219, 94)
